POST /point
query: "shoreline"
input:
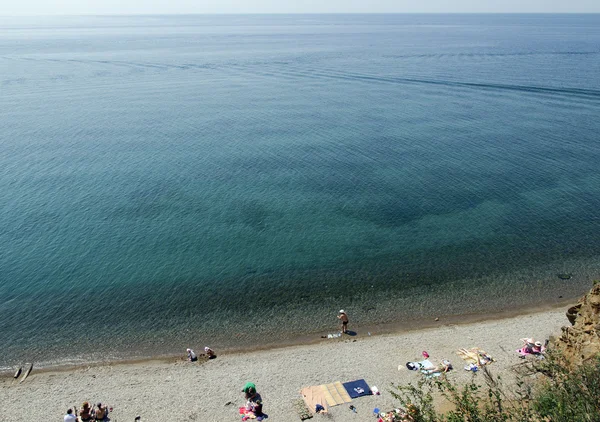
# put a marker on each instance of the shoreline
(209, 391)
(366, 331)
(281, 323)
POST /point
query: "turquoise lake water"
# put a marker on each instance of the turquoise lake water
(174, 181)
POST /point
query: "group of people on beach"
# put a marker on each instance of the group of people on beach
(210, 354)
(251, 410)
(193, 357)
(532, 347)
(87, 413)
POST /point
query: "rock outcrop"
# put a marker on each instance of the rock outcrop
(581, 341)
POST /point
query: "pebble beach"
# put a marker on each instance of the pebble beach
(174, 389)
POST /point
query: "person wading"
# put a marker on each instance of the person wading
(344, 318)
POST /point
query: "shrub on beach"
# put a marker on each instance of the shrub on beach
(558, 394)
(569, 394)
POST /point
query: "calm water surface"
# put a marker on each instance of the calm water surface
(168, 181)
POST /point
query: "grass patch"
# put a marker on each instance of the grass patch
(548, 390)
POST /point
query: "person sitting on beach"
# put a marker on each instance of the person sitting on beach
(70, 416)
(254, 404)
(537, 348)
(533, 347)
(247, 388)
(86, 412)
(344, 318)
(101, 413)
(191, 355)
(209, 352)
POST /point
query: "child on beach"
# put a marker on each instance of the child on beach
(344, 318)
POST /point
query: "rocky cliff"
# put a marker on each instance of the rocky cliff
(581, 341)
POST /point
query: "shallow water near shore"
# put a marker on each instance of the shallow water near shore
(234, 181)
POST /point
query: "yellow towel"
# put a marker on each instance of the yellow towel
(335, 394)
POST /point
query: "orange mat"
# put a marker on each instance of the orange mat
(314, 395)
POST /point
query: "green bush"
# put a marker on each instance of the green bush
(561, 394)
(569, 395)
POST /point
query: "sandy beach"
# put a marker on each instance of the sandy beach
(174, 389)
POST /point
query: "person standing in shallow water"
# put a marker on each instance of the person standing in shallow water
(344, 318)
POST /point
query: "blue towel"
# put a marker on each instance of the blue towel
(357, 388)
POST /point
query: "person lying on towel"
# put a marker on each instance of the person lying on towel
(442, 368)
(428, 368)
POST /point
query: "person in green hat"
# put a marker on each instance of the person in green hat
(254, 403)
(247, 387)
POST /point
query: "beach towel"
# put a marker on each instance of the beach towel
(357, 388)
(422, 365)
(246, 414)
(525, 351)
(335, 394)
(475, 357)
(314, 395)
